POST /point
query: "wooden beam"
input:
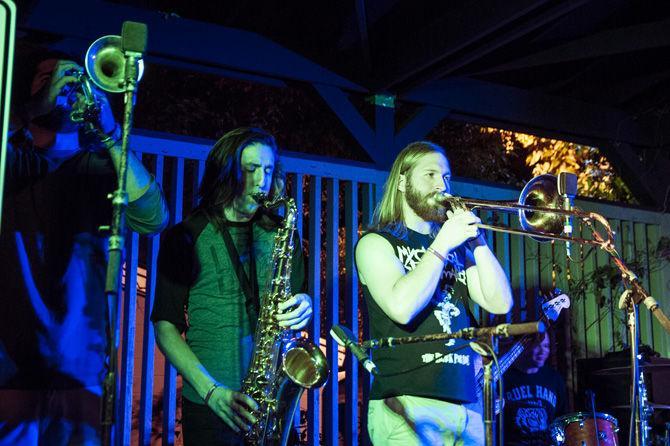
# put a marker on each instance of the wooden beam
(339, 102)
(475, 41)
(180, 40)
(623, 40)
(416, 128)
(513, 108)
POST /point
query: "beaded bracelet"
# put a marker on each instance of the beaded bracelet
(431, 250)
(210, 392)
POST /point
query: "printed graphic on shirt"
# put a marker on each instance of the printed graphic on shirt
(446, 310)
(530, 419)
(532, 403)
(410, 256)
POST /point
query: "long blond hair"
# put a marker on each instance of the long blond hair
(388, 215)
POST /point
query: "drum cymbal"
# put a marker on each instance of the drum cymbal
(650, 404)
(625, 370)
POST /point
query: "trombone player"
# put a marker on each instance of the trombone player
(419, 266)
(53, 322)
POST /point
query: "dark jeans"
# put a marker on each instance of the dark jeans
(201, 426)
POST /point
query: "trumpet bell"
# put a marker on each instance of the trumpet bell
(106, 64)
(542, 192)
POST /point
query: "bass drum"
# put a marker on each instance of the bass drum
(580, 429)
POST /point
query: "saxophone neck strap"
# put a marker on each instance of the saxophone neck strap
(248, 283)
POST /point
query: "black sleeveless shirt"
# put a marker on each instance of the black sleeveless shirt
(442, 370)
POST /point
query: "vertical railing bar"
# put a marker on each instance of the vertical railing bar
(367, 207)
(655, 285)
(313, 406)
(199, 173)
(128, 346)
(127, 363)
(640, 248)
(606, 324)
(298, 196)
(148, 341)
(170, 378)
(351, 293)
(331, 390)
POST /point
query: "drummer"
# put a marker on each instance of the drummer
(534, 395)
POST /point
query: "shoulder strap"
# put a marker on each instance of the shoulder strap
(249, 286)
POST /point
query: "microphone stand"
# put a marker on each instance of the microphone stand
(490, 334)
(115, 251)
(504, 330)
(488, 351)
(633, 295)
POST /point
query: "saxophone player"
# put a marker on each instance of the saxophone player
(209, 268)
(418, 272)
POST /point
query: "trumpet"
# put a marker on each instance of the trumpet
(105, 67)
(87, 111)
(105, 64)
(540, 214)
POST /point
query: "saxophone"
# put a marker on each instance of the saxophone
(282, 365)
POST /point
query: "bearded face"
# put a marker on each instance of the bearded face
(418, 201)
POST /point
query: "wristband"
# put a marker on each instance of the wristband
(431, 250)
(210, 392)
(112, 137)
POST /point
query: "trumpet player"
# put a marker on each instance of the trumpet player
(419, 265)
(52, 326)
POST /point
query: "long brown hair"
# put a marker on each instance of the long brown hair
(388, 215)
(222, 180)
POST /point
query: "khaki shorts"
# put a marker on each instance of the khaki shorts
(413, 420)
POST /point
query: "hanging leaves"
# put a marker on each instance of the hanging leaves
(596, 177)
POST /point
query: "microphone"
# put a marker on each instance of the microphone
(346, 338)
(134, 37)
(567, 188)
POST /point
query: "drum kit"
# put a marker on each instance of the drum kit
(592, 428)
(583, 428)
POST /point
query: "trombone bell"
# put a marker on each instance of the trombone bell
(541, 192)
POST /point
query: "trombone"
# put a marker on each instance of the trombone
(540, 214)
(542, 218)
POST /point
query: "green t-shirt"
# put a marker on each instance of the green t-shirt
(217, 324)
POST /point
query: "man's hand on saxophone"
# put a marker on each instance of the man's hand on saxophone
(296, 312)
(234, 408)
